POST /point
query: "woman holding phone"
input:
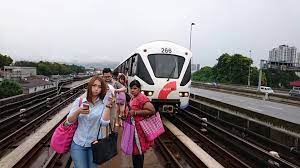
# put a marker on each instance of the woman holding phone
(90, 112)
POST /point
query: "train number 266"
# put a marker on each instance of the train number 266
(166, 50)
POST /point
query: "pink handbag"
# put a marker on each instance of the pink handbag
(62, 137)
(121, 98)
(152, 126)
(127, 137)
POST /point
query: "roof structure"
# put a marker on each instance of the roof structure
(295, 83)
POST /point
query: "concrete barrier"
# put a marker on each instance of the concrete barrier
(250, 93)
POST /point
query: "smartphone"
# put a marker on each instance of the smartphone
(86, 106)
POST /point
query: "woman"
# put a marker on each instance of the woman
(93, 111)
(121, 99)
(140, 107)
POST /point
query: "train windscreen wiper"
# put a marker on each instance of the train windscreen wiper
(171, 72)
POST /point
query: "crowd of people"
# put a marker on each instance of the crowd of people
(106, 103)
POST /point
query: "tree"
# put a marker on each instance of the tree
(279, 79)
(9, 88)
(25, 64)
(232, 69)
(5, 60)
(205, 74)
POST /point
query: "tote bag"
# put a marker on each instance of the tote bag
(106, 148)
(152, 126)
(127, 137)
(62, 137)
(121, 98)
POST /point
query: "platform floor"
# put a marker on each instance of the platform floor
(76, 83)
(153, 157)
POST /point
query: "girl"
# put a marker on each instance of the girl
(94, 111)
(121, 99)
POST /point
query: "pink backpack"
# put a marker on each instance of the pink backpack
(62, 137)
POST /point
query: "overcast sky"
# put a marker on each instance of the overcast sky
(97, 30)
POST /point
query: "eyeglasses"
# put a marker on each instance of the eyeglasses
(107, 77)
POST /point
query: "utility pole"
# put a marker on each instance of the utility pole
(260, 74)
(191, 35)
(249, 74)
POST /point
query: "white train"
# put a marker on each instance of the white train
(164, 70)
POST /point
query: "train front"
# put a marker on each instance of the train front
(169, 66)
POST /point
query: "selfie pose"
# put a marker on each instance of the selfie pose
(95, 110)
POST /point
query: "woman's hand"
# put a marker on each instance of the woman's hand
(109, 102)
(132, 112)
(81, 110)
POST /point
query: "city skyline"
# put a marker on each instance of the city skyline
(284, 53)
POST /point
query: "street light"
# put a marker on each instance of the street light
(249, 70)
(191, 35)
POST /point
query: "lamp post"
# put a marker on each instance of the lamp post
(191, 35)
(249, 70)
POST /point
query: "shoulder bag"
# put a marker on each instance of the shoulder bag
(106, 148)
(62, 137)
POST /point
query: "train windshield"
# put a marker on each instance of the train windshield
(166, 66)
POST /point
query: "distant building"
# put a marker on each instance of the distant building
(36, 83)
(198, 67)
(194, 67)
(39, 77)
(298, 59)
(283, 54)
(18, 73)
(1, 75)
(98, 71)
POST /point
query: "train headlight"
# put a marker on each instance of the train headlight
(183, 94)
(150, 93)
(147, 93)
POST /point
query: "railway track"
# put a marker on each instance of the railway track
(248, 152)
(14, 128)
(288, 153)
(14, 107)
(176, 154)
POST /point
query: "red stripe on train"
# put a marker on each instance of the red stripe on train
(169, 87)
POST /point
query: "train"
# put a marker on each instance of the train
(164, 70)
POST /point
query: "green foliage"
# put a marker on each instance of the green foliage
(229, 69)
(52, 68)
(254, 76)
(5, 60)
(279, 79)
(25, 64)
(234, 69)
(9, 88)
(204, 74)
